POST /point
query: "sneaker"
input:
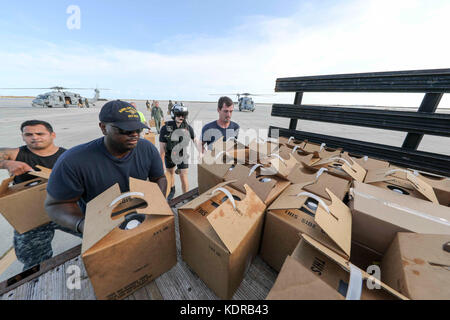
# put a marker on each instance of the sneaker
(171, 193)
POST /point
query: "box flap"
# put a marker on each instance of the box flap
(288, 199)
(351, 167)
(241, 176)
(345, 264)
(99, 222)
(198, 201)
(402, 177)
(337, 223)
(233, 223)
(44, 173)
(283, 166)
(5, 184)
(292, 142)
(156, 202)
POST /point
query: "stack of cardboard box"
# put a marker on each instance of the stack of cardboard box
(329, 218)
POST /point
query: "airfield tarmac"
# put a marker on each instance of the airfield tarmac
(74, 126)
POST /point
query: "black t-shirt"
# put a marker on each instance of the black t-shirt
(212, 132)
(32, 159)
(89, 169)
(169, 134)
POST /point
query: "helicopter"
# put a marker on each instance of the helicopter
(59, 98)
(245, 102)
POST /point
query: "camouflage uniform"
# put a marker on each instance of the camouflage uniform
(35, 246)
(157, 114)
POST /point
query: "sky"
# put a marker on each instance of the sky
(191, 50)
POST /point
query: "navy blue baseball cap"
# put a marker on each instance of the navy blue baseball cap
(122, 115)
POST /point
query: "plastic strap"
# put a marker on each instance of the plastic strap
(219, 154)
(355, 285)
(228, 194)
(295, 149)
(125, 195)
(290, 138)
(310, 195)
(339, 159)
(319, 173)
(277, 156)
(365, 158)
(401, 170)
(322, 146)
(254, 168)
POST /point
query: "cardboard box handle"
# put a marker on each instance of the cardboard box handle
(355, 284)
(290, 138)
(310, 195)
(278, 156)
(228, 194)
(319, 173)
(322, 146)
(254, 168)
(125, 195)
(387, 173)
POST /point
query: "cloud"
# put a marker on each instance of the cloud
(355, 36)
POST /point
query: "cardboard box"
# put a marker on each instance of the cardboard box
(401, 181)
(378, 214)
(318, 180)
(266, 187)
(417, 266)
(313, 272)
(298, 154)
(261, 150)
(118, 260)
(22, 204)
(150, 136)
(291, 142)
(343, 167)
(368, 163)
(233, 148)
(212, 169)
(219, 239)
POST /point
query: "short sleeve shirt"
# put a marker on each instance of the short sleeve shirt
(89, 169)
(212, 132)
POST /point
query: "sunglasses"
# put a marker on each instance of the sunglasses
(127, 133)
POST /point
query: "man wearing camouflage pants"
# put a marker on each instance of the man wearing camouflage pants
(34, 246)
(157, 114)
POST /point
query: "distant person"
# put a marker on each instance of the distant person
(223, 126)
(173, 133)
(86, 103)
(87, 170)
(148, 105)
(169, 107)
(34, 246)
(158, 115)
(141, 114)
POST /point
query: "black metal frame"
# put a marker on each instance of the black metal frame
(434, 83)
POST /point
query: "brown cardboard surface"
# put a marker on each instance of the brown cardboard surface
(288, 216)
(379, 214)
(337, 163)
(291, 142)
(417, 266)
(303, 173)
(260, 150)
(404, 178)
(310, 274)
(120, 261)
(267, 188)
(441, 186)
(219, 242)
(150, 136)
(368, 163)
(16, 201)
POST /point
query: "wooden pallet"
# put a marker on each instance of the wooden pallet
(179, 283)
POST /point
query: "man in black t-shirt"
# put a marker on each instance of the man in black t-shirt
(34, 246)
(223, 126)
(174, 137)
(85, 171)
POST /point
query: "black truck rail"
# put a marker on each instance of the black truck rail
(434, 83)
